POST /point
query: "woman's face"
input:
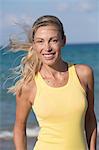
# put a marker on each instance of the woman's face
(48, 43)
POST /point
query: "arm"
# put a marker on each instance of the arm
(90, 119)
(23, 107)
(22, 110)
(87, 81)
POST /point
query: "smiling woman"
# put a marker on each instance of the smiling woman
(61, 94)
(48, 38)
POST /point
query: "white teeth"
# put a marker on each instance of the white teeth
(48, 56)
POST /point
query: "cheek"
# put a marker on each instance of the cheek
(58, 48)
(38, 53)
(38, 49)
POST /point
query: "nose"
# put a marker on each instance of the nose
(48, 47)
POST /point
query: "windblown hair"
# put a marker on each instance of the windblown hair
(30, 64)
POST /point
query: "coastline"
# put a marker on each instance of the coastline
(8, 144)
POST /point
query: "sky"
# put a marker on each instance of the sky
(80, 18)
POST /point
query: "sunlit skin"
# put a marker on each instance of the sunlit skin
(48, 43)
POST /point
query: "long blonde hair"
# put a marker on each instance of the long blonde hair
(30, 64)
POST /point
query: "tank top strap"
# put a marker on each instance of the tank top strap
(37, 80)
(74, 77)
(72, 72)
(38, 84)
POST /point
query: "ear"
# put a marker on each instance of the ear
(64, 41)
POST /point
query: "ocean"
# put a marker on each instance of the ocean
(76, 53)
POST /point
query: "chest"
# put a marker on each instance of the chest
(60, 103)
(57, 82)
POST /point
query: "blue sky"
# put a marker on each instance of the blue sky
(79, 17)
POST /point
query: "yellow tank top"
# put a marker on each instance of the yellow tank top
(60, 112)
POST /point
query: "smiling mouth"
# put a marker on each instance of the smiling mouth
(49, 55)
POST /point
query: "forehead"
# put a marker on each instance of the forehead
(44, 30)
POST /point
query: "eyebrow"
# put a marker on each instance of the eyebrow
(38, 38)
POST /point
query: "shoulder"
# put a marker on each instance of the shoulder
(27, 92)
(84, 69)
(85, 72)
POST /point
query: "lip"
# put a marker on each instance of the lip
(49, 55)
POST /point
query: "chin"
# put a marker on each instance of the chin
(49, 62)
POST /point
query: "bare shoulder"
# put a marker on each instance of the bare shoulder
(27, 92)
(85, 73)
(84, 69)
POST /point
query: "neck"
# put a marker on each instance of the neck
(55, 69)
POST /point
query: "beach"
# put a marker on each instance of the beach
(8, 144)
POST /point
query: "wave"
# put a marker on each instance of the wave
(31, 132)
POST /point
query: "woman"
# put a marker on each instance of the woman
(61, 94)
